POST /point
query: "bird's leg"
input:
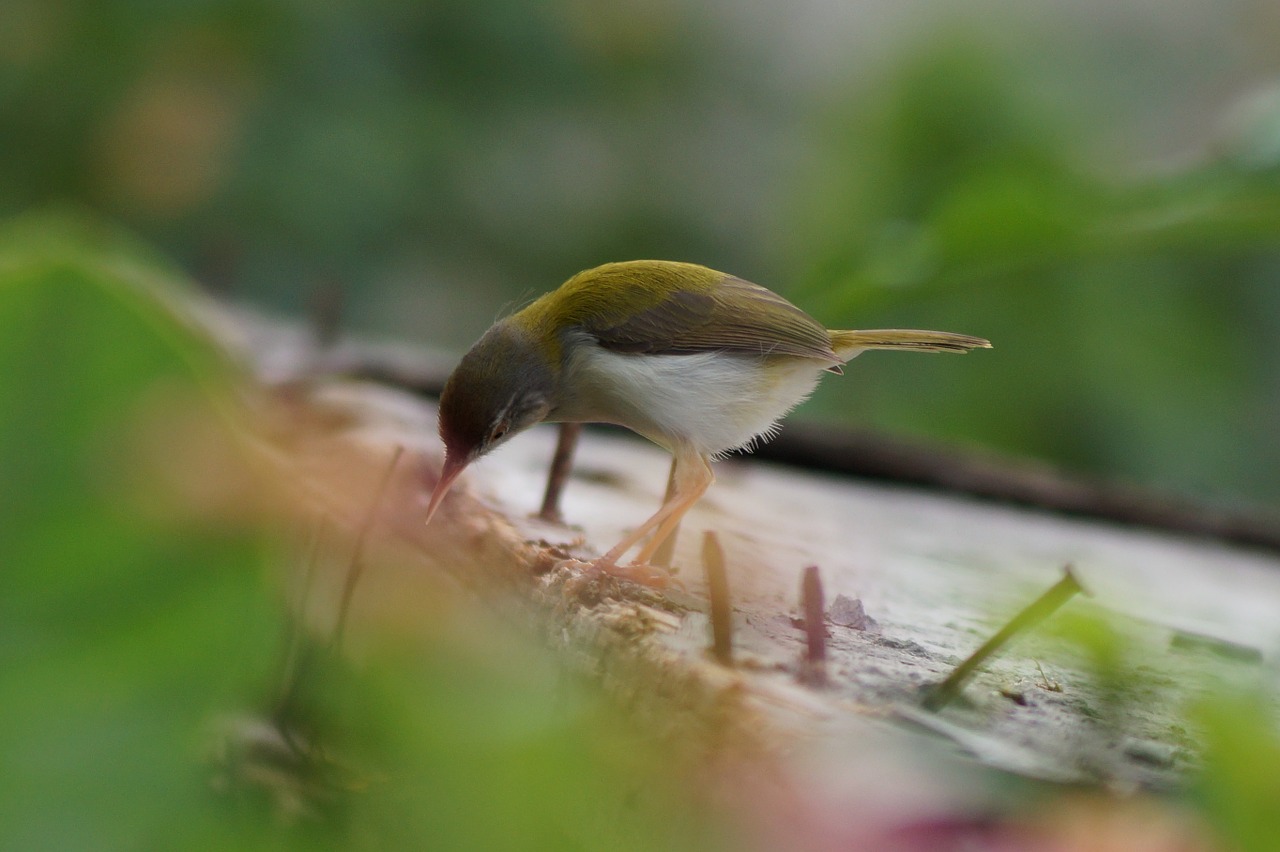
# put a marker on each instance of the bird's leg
(664, 552)
(561, 467)
(695, 483)
(693, 477)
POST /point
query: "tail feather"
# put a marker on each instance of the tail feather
(847, 344)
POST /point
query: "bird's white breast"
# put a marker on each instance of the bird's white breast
(713, 401)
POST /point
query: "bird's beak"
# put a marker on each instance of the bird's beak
(452, 467)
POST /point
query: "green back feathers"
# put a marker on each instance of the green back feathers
(609, 294)
(666, 308)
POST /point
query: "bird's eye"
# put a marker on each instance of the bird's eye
(499, 432)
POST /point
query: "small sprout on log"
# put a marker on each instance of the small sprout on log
(356, 569)
(1045, 683)
(558, 475)
(813, 671)
(718, 591)
(1035, 612)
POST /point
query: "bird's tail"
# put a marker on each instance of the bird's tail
(847, 344)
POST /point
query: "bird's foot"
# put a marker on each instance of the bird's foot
(637, 572)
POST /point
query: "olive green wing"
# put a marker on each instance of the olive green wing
(731, 316)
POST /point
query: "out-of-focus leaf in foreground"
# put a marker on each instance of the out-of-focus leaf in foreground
(141, 620)
(121, 628)
(1239, 787)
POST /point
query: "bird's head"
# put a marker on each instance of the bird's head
(502, 386)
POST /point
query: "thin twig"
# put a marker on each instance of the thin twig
(325, 314)
(718, 591)
(1020, 481)
(1035, 612)
(814, 669)
(295, 614)
(356, 569)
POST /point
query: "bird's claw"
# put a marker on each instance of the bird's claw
(637, 572)
(641, 573)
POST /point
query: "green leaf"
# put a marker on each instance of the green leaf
(123, 631)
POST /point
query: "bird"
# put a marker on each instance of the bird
(697, 361)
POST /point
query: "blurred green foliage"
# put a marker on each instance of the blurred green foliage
(1239, 788)
(140, 634)
(276, 146)
(442, 161)
(1134, 320)
(121, 631)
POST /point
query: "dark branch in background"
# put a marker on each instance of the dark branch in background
(872, 456)
(1023, 482)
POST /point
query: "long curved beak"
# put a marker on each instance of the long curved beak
(452, 467)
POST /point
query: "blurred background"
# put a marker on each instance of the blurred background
(1093, 186)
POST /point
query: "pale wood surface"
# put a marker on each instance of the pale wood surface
(937, 574)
